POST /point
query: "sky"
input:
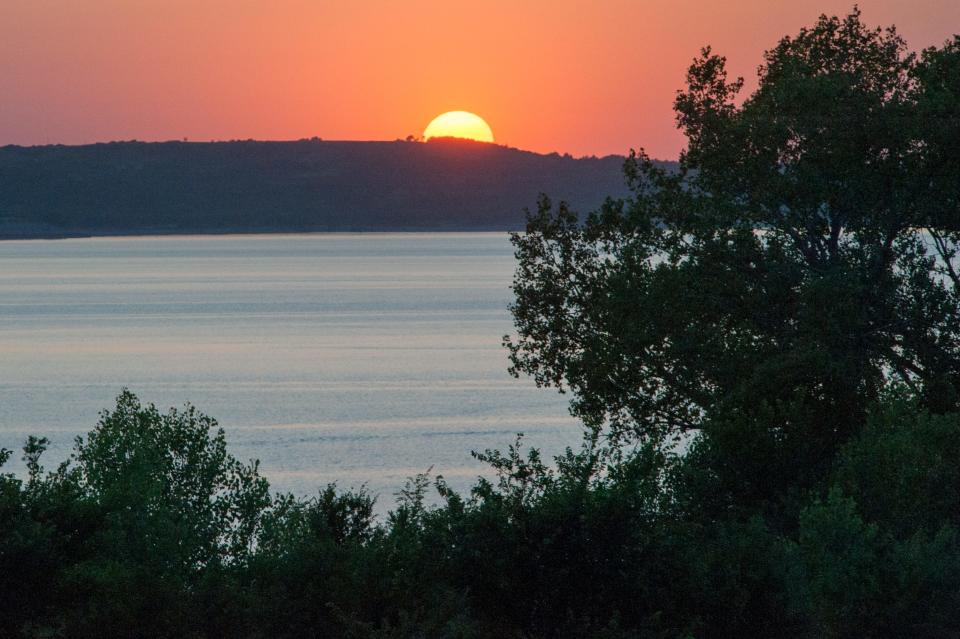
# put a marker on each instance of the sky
(586, 78)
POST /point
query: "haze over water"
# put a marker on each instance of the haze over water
(350, 358)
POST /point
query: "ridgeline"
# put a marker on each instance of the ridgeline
(126, 188)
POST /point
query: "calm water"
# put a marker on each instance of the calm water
(356, 358)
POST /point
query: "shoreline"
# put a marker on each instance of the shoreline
(134, 234)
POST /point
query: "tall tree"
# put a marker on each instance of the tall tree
(762, 296)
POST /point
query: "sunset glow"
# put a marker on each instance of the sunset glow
(551, 75)
(459, 124)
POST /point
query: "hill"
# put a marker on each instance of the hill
(308, 185)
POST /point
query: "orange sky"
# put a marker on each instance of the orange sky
(548, 75)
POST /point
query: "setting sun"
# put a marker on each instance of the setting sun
(459, 124)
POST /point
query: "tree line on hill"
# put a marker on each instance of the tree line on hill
(125, 188)
(763, 347)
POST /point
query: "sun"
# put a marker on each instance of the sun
(459, 124)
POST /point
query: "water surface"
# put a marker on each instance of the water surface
(357, 358)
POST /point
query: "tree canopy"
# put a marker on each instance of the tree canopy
(800, 262)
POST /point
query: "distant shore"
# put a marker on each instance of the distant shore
(312, 186)
(146, 233)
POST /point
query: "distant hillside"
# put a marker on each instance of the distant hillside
(310, 185)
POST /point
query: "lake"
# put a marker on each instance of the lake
(356, 358)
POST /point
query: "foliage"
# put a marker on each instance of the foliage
(796, 265)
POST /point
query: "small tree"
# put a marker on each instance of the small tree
(173, 492)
